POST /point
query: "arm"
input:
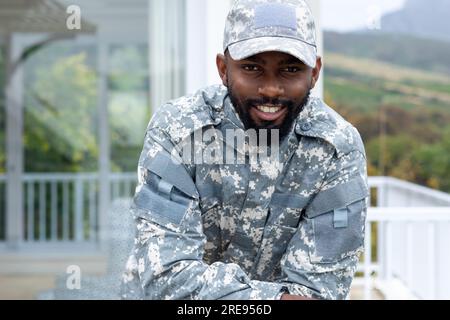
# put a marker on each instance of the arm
(167, 260)
(323, 255)
(287, 296)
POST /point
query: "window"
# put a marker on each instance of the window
(84, 97)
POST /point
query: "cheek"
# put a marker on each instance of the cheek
(243, 87)
(298, 89)
(243, 83)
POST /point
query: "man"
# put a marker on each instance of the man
(283, 227)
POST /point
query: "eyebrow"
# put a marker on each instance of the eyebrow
(290, 60)
(256, 59)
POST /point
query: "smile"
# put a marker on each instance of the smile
(268, 109)
(269, 112)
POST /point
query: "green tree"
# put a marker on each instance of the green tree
(434, 163)
(60, 118)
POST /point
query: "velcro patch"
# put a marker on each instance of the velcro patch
(275, 15)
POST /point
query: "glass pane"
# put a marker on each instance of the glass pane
(129, 106)
(82, 83)
(73, 60)
(61, 109)
(60, 136)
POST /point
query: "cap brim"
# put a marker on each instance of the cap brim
(301, 50)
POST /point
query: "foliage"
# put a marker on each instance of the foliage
(129, 111)
(60, 117)
(403, 116)
(61, 108)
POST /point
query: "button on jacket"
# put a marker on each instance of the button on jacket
(252, 230)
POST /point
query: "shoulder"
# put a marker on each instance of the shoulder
(180, 117)
(320, 121)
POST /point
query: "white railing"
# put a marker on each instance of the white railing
(412, 241)
(412, 226)
(64, 207)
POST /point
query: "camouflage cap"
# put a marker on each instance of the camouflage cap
(256, 26)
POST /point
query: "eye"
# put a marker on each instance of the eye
(251, 67)
(291, 69)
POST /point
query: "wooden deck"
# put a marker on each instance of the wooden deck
(24, 275)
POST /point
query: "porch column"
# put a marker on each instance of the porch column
(104, 141)
(166, 50)
(205, 21)
(14, 144)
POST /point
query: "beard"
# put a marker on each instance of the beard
(243, 107)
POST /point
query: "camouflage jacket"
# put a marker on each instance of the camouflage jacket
(247, 231)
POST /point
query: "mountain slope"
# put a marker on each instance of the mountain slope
(403, 50)
(365, 84)
(424, 18)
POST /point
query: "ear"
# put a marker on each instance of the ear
(316, 71)
(221, 63)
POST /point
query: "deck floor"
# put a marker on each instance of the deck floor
(24, 276)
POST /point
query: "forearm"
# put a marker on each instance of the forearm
(294, 297)
(170, 272)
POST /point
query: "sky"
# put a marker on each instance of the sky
(347, 15)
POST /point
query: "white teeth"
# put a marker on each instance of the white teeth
(268, 109)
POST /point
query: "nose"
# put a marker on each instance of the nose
(271, 89)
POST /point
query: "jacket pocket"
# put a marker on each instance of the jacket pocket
(336, 222)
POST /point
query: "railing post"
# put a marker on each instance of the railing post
(66, 212)
(388, 257)
(30, 210)
(381, 233)
(409, 255)
(92, 212)
(79, 230)
(42, 211)
(432, 234)
(368, 262)
(54, 211)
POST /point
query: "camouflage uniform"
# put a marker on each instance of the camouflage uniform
(247, 231)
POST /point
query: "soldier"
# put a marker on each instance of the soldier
(283, 227)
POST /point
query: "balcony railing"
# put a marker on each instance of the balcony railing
(407, 232)
(61, 207)
(411, 225)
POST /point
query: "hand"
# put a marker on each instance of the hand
(292, 297)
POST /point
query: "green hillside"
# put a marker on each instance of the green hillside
(402, 113)
(366, 84)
